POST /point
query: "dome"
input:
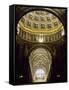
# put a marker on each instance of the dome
(40, 26)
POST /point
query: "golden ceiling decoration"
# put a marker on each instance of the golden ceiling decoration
(40, 63)
(40, 26)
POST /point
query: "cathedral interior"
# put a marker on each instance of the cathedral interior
(41, 45)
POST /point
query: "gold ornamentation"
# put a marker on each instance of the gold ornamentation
(35, 23)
